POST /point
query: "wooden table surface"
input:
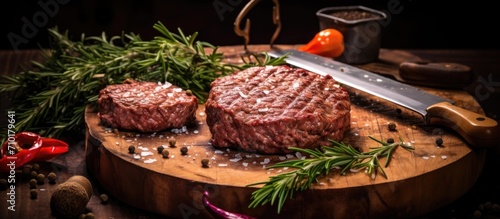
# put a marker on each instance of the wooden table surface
(486, 191)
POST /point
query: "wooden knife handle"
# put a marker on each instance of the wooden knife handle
(478, 130)
(436, 74)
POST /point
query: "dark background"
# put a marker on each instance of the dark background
(420, 25)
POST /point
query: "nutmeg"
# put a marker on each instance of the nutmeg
(70, 198)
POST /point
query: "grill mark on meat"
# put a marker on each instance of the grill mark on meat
(299, 97)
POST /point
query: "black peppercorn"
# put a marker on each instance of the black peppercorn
(390, 140)
(52, 177)
(204, 162)
(184, 150)
(40, 179)
(160, 149)
(26, 172)
(104, 198)
(33, 174)
(164, 153)
(439, 141)
(131, 149)
(392, 126)
(171, 142)
(33, 194)
(33, 183)
(35, 167)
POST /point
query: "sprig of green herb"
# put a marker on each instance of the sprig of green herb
(52, 97)
(305, 172)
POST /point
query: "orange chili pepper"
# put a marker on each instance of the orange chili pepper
(328, 43)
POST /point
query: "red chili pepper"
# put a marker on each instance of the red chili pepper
(328, 43)
(26, 147)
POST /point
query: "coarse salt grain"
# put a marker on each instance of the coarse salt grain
(262, 110)
(223, 165)
(218, 152)
(166, 85)
(299, 155)
(177, 89)
(235, 159)
(425, 158)
(444, 157)
(245, 164)
(295, 85)
(146, 153)
(243, 95)
(202, 114)
(266, 161)
(150, 160)
(137, 157)
(265, 92)
(143, 148)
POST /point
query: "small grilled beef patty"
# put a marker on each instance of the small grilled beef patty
(146, 106)
(268, 109)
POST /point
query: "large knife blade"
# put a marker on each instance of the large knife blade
(478, 130)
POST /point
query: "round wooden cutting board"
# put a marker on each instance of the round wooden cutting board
(417, 182)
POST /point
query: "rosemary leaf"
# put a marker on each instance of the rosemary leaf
(59, 89)
(305, 172)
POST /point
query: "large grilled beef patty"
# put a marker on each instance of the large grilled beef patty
(268, 109)
(146, 106)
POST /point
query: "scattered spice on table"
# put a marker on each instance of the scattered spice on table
(131, 149)
(439, 141)
(40, 179)
(205, 162)
(171, 142)
(33, 183)
(33, 193)
(184, 150)
(392, 126)
(165, 153)
(160, 149)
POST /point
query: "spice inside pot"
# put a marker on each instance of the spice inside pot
(352, 15)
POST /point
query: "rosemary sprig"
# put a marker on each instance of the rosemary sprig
(51, 98)
(305, 172)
